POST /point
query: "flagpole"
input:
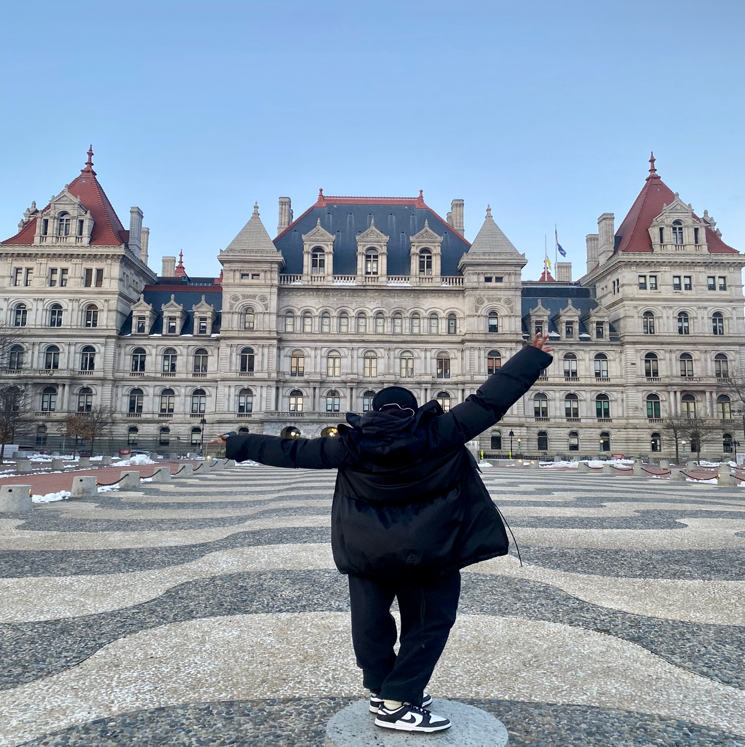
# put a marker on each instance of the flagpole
(556, 245)
(545, 252)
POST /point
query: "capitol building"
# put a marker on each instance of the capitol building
(359, 293)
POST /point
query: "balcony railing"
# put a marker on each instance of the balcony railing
(81, 372)
(134, 414)
(168, 374)
(198, 375)
(140, 374)
(245, 373)
(654, 420)
(605, 420)
(574, 420)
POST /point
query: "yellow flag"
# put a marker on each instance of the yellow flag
(548, 263)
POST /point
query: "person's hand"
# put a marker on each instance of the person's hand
(220, 440)
(539, 341)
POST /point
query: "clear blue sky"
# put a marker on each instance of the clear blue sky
(545, 109)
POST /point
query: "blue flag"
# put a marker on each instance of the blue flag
(558, 245)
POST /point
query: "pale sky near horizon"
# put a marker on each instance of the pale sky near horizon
(546, 110)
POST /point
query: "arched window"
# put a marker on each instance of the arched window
(296, 401)
(290, 431)
(686, 365)
(493, 361)
(601, 366)
(443, 399)
(63, 224)
(289, 322)
(688, 404)
(132, 436)
(136, 397)
(198, 402)
(333, 401)
(139, 356)
(247, 359)
(55, 315)
(170, 359)
(41, 435)
(573, 441)
(648, 323)
(425, 262)
(242, 431)
(677, 232)
(602, 406)
(361, 324)
(326, 323)
(20, 315)
(398, 324)
(307, 322)
(15, 357)
(88, 358)
(297, 363)
(91, 315)
(570, 366)
(571, 406)
(540, 405)
(167, 401)
(164, 436)
(655, 442)
(416, 324)
(651, 366)
(371, 262)
(245, 402)
(51, 358)
(724, 407)
(443, 366)
(434, 324)
(452, 324)
(727, 443)
(604, 442)
(653, 406)
(492, 325)
(717, 323)
(343, 322)
(495, 440)
(333, 363)
(49, 399)
(542, 441)
(85, 399)
(721, 366)
(406, 369)
(684, 326)
(367, 399)
(370, 364)
(379, 322)
(197, 439)
(200, 361)
(249, 318)
(318, 262)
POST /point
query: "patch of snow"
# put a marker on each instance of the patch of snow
(108, 488)
(62, 495)
(136, 459)
(485, 464)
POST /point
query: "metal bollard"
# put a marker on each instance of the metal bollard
(15, 498)
(84, 487)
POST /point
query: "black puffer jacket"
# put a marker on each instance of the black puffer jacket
(408, 500)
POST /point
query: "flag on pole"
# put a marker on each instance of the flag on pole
(548, 263)
(558, 245)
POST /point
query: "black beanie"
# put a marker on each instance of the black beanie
(394, 395)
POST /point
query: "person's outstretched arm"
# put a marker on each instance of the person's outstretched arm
(306, 453)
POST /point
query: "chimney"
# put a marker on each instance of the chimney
(143, 244)
(285, 214)
(606, 236)
(456, 211)
(449, 218)
(135, 230)
(592, 250)
(564, 272)
(169, 267)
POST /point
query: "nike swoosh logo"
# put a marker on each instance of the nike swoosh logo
(412, 718)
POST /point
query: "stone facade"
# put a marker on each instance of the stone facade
(360, 293)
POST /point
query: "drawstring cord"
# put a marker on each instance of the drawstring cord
(512, 534)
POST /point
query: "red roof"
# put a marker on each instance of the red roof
(107, 228)
(546, 277)
(633, 233)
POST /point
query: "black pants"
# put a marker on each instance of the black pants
(427, 613)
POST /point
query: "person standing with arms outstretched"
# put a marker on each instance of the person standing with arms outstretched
(409, 511)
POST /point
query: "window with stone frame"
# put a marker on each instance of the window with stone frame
(686, 365)
(343, 323)
(443, 399)
(601, 366)
(296, 401)
(371, 262)
(406, 362)
(415, 324)
(136, 401)
(721, 366)
(370, 364)
(49, 399)
(198, 402)
(570, 366)
(247, 361)
(571, 407)
(333, 363)
(684, 326)
(164, 436)
(20, 315)
(397, 323)
(333, 401)
(325, 323)
(88, 358)
(724, 407)
(367, 400)
(452, 324)
(653, 406)
(85, 399)
(361, 324)
(425, 262)
(170, 359)
(648, 323)
(132, 436)
(492, 322)
(167, 402)
(15, 357)
(542, 442)
(245, 401)
(655, 442)
(379, 321)
(201, 361)
(297, 363)
(651, 366)
(717, 323)
(55, 315)
(573, 441)
(434, 324)
(688, 406)
(493, 362)
(602, 406)
(51, 358)
(307, 322)
(495, 440)
(289, 322)
(540, 405)
(443, 366)
(318, 262)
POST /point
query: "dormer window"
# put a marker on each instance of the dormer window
(63, 224)
(371, 262)
(141, 325)
(677, 232)
(202, 325)
(569, 330)
(318, 262)
(599, 330)
(425, 262)
(171, 325)
(538, 328)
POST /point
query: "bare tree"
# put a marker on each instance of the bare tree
(16, 415)
(696, 430)
(675, 427)
(733, 385)
(88, 426)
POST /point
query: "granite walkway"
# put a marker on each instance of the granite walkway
(208, 612)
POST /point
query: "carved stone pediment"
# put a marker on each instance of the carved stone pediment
(318, 234)
(426, 236)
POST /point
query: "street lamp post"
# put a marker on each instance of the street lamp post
(519, 446)
(683, 449)
(203, 423)
(511, 434)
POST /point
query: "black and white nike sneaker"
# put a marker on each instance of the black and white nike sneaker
(376, 701)
(411, 718)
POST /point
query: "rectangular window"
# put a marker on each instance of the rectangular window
(488, 278)
(17, 276)
(28, 276)
(722, 283)
(498, 278)
(88, 279)
(599, 330)
(687, 283)
(202, 325)
(171, 328)
(676, 283)
(244, 276)
(662, 235)
(141, 325)
(99, 278)
(642, 282)
(52, 277)
(63, 277)
(443, 368)
(695, 235)
(569, 330)
(255, 276)
(539, 328)
(711, 283)
(653, 282)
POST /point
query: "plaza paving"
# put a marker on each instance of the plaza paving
(208, 611)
